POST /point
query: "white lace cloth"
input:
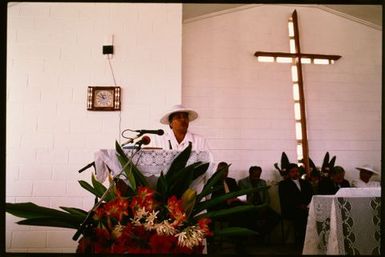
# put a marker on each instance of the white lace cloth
(344, 224)
(364, 191)
(149, 161)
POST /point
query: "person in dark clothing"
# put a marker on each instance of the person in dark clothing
(226, 185)
(330, 185)
(295, 195)
(264, 219)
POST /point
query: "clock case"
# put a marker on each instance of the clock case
(91, 94)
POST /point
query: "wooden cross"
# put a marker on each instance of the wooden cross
(296, 58)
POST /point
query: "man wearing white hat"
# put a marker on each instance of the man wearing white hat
(366, 173)
(178, 137)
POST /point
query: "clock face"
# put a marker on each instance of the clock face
(104, 98)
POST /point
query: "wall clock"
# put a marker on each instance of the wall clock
(100, 98)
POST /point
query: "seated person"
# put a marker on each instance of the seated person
(226, 185)
(295, 195)
(314, 179)
(330, 185)
(223, 186)
(365, 179)
(261, 220)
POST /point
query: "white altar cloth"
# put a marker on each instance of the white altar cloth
(347, 223)
(149, 161)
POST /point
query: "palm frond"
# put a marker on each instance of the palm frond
(179, 162)
(43, 216)
(203, 205)
(228, 211)
(133, 174)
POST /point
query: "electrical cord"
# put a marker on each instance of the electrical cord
(120, 112)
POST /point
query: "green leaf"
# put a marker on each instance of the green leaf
(312, 165)
(325, 162)
(89, 188)
(220, 199)
(188, 200)
(140, 179)
(162, 188)
(31, 210)
(179, 162)
(43, 216)
(181, 180)
(210, 184)
(229, 211)
(125, 163)
(332, 162)
(235, 231)
(74, 211)
(51, 222)
(284, 161)
(133, 174)
(200, 169)
(101, 189)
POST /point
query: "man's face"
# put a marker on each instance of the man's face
(255, 175)
(179, 122)
(293, 173)
(339, 178)
(365, 175)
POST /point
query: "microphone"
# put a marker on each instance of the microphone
(144, 141)
(145, 131)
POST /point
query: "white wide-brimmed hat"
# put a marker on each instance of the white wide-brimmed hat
(368, 168)
(192, 115)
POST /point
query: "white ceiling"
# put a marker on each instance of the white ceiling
(368, 13)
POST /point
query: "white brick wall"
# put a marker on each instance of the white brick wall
(246, 107)
(54, 54)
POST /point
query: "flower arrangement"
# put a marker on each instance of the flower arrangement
(142, 225)
(131, 217)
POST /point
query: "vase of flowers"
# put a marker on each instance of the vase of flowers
(131, 217)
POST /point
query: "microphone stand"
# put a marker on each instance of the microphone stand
(131, 140)
(92, 164)
(85, 224)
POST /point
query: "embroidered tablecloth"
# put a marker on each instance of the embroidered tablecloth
(344, 225)
(149, 161)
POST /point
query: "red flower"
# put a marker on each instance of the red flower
(116, 234)
(204, 225)
(162, 243)
(99, 213)
(176, 210)
(117, 208)
(102, 241)
(144, 198)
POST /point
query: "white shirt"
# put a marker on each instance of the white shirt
(360, 183)
(296, 182)
(169, 142)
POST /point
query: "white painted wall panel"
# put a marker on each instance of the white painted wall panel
(246, 107)
(54, 52)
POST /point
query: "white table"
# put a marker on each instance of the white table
(347, 223)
